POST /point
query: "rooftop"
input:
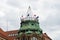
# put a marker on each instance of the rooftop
(29, 15)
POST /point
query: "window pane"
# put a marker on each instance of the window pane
(34, 38)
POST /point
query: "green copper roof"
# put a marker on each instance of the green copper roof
(30, 24)
(37, 32)
(29, 28)
(29, 32)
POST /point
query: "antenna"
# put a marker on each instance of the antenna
(7, 22)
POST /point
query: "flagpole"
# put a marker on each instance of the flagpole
(7, 22)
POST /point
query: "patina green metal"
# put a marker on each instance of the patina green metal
(30, 27)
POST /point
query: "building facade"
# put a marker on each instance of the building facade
(29, 29)
(3, 35)
(13, 35)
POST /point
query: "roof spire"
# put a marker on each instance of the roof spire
(29, 15)
(29, 8)
(29, 12)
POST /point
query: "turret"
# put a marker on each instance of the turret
(30, 24)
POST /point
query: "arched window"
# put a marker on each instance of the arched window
(33, 38)
(24, 38)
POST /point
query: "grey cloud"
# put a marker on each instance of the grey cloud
(11, 16)
(17, 3)
(13, 2)
(57, 6)
(50, 25)
(53, 20)
(22, 3)
(32, 0)
(51, 5)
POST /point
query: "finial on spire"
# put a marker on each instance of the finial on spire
(29, 8)
(29, 12)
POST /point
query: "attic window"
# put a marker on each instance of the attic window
(12, 34)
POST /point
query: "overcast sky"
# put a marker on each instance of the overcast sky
(48, 11)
